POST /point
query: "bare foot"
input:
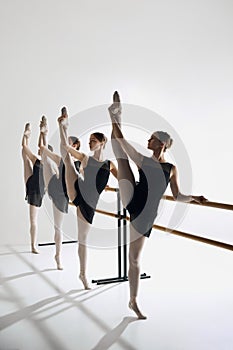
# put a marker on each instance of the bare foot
(133, 306)
(58, 262)
(84, 281)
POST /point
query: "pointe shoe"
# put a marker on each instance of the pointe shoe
(134, 307)
(64, 114)
(57, 259)
(34, 250)
(84, 281)
(27, 130)
(43, 125)
(115, 109)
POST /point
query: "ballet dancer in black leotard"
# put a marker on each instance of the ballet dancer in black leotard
(34, 181)
(54, 177)
(84, 191)
(142, 199)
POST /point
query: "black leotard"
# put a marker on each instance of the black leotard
(57, 188)
(96, 176)
(153, 180)
(35, 185)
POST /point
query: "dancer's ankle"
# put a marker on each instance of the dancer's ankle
(58, 262)
(82, 277)
(33, 249)
(27, 130)
(133, 306)
(43, 125)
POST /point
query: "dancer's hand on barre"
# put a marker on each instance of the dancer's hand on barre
(106, 187)
(199, 199)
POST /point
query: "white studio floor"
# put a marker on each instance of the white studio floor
(188, 300)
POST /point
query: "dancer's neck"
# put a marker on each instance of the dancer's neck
(158, 155)
(99, 155)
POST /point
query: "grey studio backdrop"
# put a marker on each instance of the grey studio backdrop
(173, 59)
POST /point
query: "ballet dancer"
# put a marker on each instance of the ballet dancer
(84, 189)
(54, 177)
(142, 199)
(34, 182)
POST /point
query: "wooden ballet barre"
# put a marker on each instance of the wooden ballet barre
(190, 236)
(205, 204)
(177, 232)
(194, 237)
(171, 198)
(108, 213)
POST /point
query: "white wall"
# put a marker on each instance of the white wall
(171, 57)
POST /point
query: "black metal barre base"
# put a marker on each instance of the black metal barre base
(53, 243)
(117, 279)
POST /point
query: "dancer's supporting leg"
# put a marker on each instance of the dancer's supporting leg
(135, 248)
(126, 182)
(58, 218)
(71, 176)
(83, 229)
(29, 160)
(33, 212)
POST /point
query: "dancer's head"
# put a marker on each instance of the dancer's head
(160, 139)
(97, 140)
(74, 142)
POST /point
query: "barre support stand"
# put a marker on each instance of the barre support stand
(122, 249)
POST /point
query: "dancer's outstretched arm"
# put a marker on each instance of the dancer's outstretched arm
(176, 191)
(55, 157)
(76, 154)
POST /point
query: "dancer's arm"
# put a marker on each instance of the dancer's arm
(76, 154)
(29, 154)
(134, 155)
(176, 192)
(113, 169)
(55, 157)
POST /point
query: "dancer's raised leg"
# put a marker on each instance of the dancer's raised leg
(71, 174)
(28, 157)
(49, 168)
